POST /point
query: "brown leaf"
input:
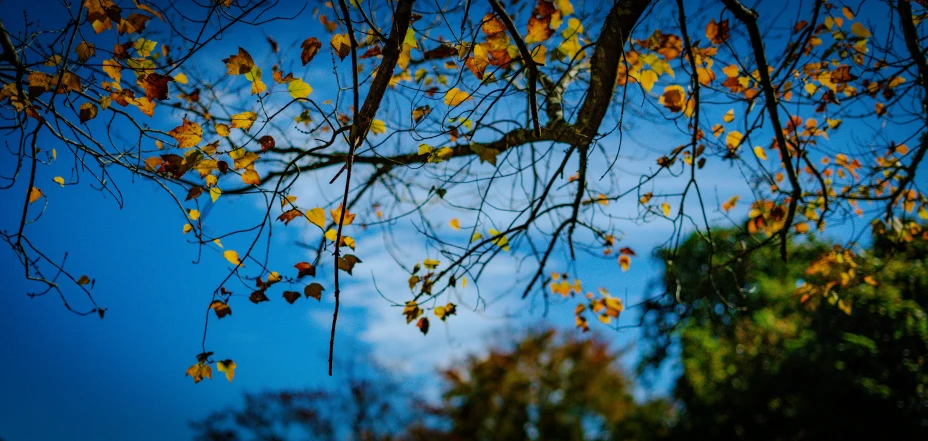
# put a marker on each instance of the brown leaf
(289, 215)
(443, 51)
(310, 47)
(291, 296)
(314, 290)
(267, 142)
(88, 111)
(221, 308)
(348, 262)
(258, 297)
(423, 325)
(155, 86)
(194, 192)
(305, 269)
(717, 33)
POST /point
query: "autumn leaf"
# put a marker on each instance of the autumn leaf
(430, 263)
(267, 142)
(378, 127)
(251, 177)
(412, 311)
(665, 208)
(155, 86)
(673, 98)
(730, 203)
(243, 120)
(442, 312)
(58, 180)
(83, 280)
(341, 44)
(221, 308)
(337, 216)
(84, 51)
(34, 194)
(455, 96)
(624, 262)
(316, 216)
(289, 215)
(310, 48)
(305, 269)
(200, 371)
(299, 89)
(232, 257)
(729, 116)
(455, 224)
(214, 193)
(423, 325)
(227, 366)
(258, 297)
(760, 153)
(88, 111)
(348, 262)
(733, 140)
(313, 290)
(188, 134)
(240, 63)
(717, 33)
(291, 296)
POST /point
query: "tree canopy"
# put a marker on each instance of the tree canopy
(527, 131)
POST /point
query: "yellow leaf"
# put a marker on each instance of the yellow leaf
(456, 96)
(647, 79)
(477, 236)
(223, 130)
(181, 78)
(860, 30)
(59, 180)
(760, 153)
(425, 149)
(665, 207)
(232, 257)
(337, 216)
(500, 241)
(200, 371)
(341, 43)
(193, 214)
(244, 120)
(538, 54)
(227, 366)
(331, 234)
(214, 193)
(378, 126)
(34, 194)
(188, 134)
(717, 130)
(299, 89)
(624, 262)
(251, 177)
(847, 13)
(729, 116)
(218, 243)
(733, 140)
(316, 216)
(430, 263)
(730, 203)
(455, 224)
(188, 228)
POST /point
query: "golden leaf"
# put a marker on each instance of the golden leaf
(227, 366)
(232, 257)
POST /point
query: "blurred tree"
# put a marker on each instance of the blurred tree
(766, 355)
(546, 387)
(363, 408)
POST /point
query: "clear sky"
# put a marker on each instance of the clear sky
(81, 378)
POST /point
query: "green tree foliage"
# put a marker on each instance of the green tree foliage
(762, 359)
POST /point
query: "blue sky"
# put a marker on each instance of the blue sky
(124, 375)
